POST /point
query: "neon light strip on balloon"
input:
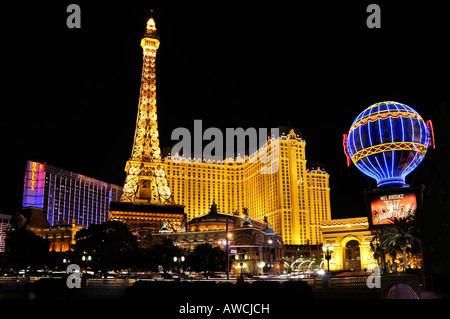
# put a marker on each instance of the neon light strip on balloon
(375, 117)
(385, 113)
(431, 132)
(366, 167)
(396, 146)
(371, 144)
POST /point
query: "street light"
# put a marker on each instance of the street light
(327, 250)
(86, 259)
(227, 238)
(178, 261)
(241, 262)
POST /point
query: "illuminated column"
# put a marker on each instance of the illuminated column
(146, 180)
(338, 256)
(364, 253)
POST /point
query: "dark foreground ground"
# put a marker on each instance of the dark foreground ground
(192, 290)
(268, 299)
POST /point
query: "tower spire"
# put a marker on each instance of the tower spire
(146, 181)
(146, 139)
(150, 31)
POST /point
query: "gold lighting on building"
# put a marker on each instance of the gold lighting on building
(350, 238)
(295, 199)
(291, 197)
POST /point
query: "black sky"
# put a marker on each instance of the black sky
(70, 95)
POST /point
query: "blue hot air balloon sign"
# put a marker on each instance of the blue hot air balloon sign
(387, 141)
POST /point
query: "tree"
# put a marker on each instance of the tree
(378, 251)
(401, 235)
(111, 245)
(24, 248)
(162, 255)
(206, 258)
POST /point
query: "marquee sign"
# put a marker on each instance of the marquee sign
(385, 205)
(33, 193)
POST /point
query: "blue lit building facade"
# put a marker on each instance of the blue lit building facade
(67, 196)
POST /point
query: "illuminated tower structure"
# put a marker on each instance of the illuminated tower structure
(146, 202)
(146, 179)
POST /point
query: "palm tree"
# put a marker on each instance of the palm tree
(400, 235)
(378, 251)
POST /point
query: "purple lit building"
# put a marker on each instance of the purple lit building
(67, 196)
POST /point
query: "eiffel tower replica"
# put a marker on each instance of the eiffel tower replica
(147, 203)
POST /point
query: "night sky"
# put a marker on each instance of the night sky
(70, 96)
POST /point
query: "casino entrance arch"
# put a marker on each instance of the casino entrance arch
(350, 238)
(352, 255)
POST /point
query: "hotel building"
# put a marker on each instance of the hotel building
(294, 198)
(246, 237)
(65, 196)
